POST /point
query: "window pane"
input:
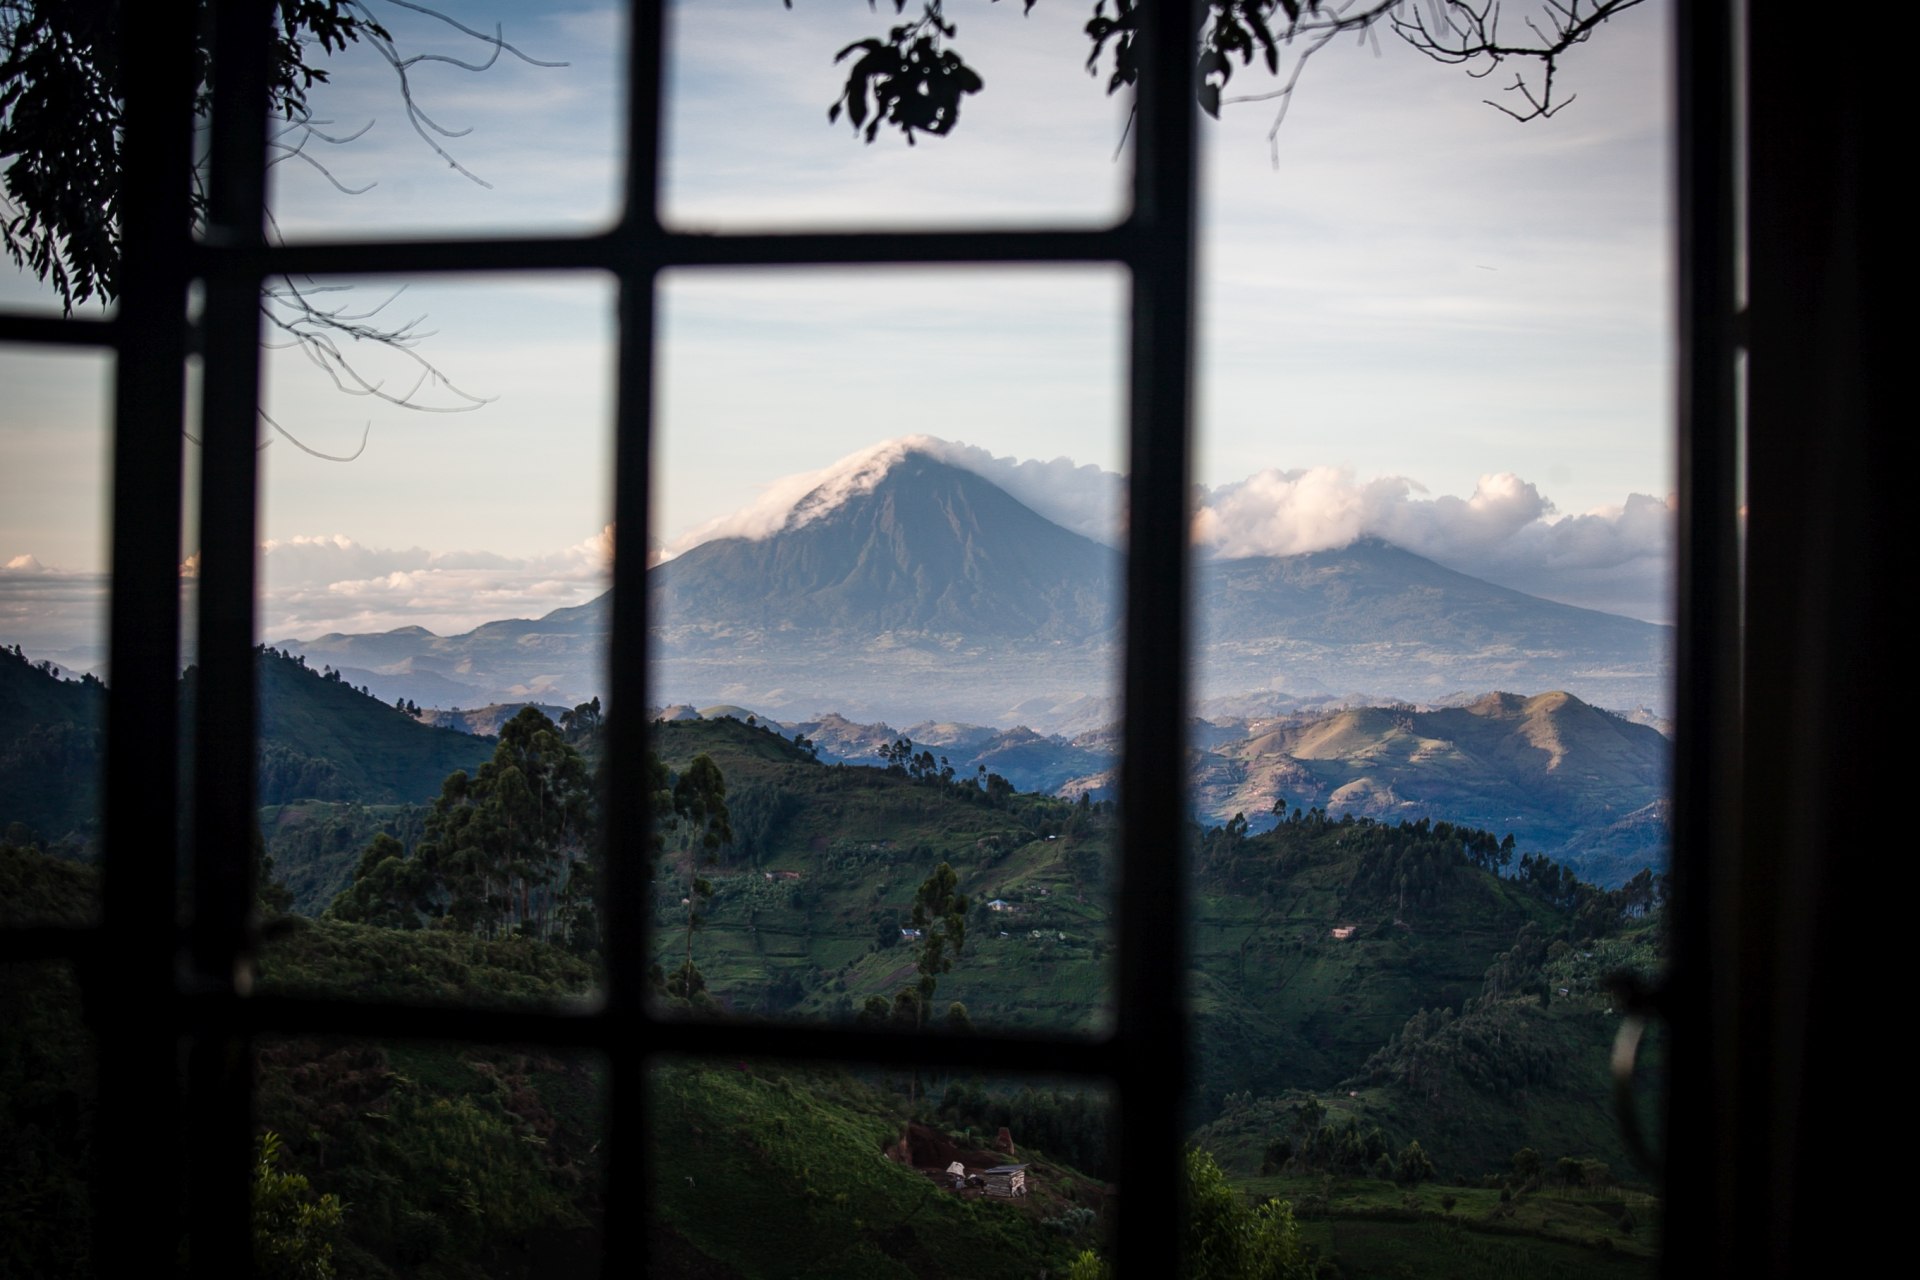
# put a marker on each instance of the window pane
(53, 598)
(433, 615)
(513, 125)
(749, 143)
(1434, 539)
(790, 1150)
(887, 611)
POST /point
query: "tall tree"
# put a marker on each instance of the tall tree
(940, 914)
(499, 847)
(699, 799)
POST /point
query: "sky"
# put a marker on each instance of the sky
(1419, 320)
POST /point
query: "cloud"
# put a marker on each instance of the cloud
(314, 584)
(53, 612)
(1614, 558)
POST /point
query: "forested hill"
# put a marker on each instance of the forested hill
(323, 739)
(320, 738)
(50, 743)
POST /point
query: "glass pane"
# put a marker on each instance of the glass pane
(749, 143)
(886, 610)
(423, 1158)
(1434, 542)
(433, 613)
(53, 603)
(495, 117)
(791, 1150)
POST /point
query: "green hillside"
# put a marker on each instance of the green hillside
(320, 739)
(50, 745)
(1313, 946)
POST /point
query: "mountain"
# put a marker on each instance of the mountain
(1371, 615)
(922, 589)
(930, 551)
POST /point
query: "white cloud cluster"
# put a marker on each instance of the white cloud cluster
(313, 585)
(1614, 558)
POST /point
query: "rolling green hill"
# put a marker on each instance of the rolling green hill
(320, 739)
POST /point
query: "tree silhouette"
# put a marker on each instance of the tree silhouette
(913, 79)
(60, 136)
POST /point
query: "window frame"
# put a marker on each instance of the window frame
(174, 1020)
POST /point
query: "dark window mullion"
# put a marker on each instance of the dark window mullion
(1152, 900)
(130, 1004)
(1706, 768)
(225, 826)
(626, 848)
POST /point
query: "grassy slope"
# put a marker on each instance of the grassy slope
(1371, 1228)
(775, 1174)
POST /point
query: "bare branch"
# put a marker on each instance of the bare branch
(1468, 36)
(304, 448)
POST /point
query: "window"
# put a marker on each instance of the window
(1762, 788)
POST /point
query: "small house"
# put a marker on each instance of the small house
(1000, 904)
(958, 1173)
(1006, 1180)
(1344, 932)
(909, 935)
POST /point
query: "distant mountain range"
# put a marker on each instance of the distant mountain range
(932, 592)
(1582, 785)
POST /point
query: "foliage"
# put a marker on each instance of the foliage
(917, 79)
(1070, 1125)
(940, 914)
(913, 81)
(499, 848)
(294, 1232)
(1226, 1239)
(62, 123)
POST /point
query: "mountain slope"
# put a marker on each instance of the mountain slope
(930, 549)
(1372, 616)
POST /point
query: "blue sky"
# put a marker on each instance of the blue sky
(1424, 320)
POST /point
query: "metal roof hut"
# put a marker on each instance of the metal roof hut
(1006, 1180)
